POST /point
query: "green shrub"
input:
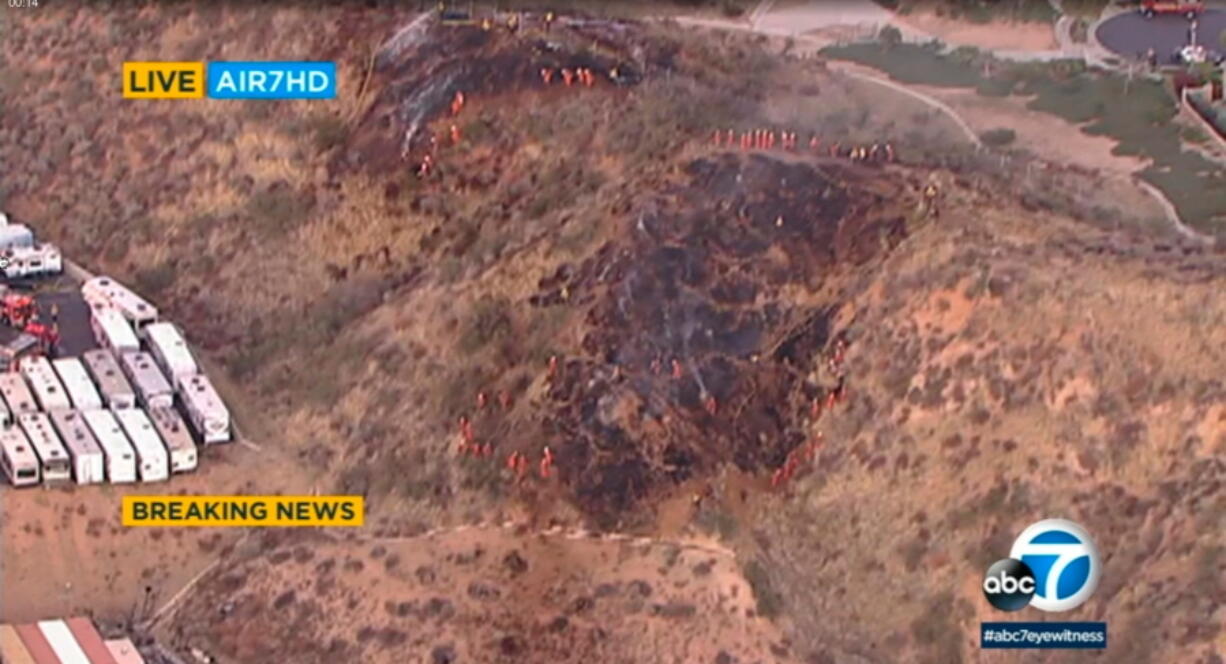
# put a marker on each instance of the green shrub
(490, 321)
(998, 137)
(770, 602)
(277, 211)
(154, 280)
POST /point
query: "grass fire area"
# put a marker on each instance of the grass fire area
(613, 388)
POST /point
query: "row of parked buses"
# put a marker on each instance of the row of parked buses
(111, 414)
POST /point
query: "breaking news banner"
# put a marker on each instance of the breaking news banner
(229, 80)
(243, 511)
(1080, 635)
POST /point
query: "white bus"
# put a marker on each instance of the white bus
(154, 464)
(120, 457)
(116, 391)
(77, 383)
(205, 410)
(62, 642)
(88, 462)
(177, 438)
(135, 308)
(170, 351)
(16, 395)
(152, 389)
(112, 330)
(53, 457)
(44, 384)
(17, 458)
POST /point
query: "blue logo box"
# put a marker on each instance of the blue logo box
(1080, 635)
(271, 80)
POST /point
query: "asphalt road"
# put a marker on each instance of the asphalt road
(76, 337)
(1130, 34)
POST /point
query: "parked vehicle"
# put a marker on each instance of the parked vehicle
(1189, 8)
(150, 453)
(17, 395)
(45, 385)
(112, 384)
(120, 455)
(205, 410)
(77, 383)
(169, 350)
(112, 330)
(152, 388)
(88, 460)
(177, 438)
(41, 259)
(53, 457)
(105, 290)
(17, 458)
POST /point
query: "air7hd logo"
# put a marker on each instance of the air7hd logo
(1053, 566)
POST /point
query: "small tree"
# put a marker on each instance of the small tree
(1221, 38)
(890, 35)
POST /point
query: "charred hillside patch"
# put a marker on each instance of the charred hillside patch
(696, 351)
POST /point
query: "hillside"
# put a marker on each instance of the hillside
(586, 270)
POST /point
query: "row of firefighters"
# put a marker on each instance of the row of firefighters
(768, 139)
(519, 465)
(570, 76)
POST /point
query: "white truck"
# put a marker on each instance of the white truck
(105, 290)
(169, 350)
(45, 384)
(154, 462)
(88, 461)
(120, 456)
(152, 388)
(77, 383)
(176, 437)
(114, 387)
(205, 410)
(55, 462)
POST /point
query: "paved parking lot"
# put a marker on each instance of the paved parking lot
(1130, 34)
(76, 337)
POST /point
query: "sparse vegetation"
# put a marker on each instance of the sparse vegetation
(998, 138)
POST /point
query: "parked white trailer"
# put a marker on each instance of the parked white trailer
(62, 642)
(205, 410)
(17, 457)
(112, 330)
(135, 308)
(114, 387)
(45, 385)
(17, 394)
(77, 383)
(152, 389)
(177, 438)
(169, 350)
(120, 456)
(88, 461)
(52, 455)
(154, 462)
(31, 261)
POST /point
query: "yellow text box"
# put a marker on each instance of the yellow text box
(164, 80)
(250, 511)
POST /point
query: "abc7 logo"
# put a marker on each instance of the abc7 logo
(1009, 584)
(1053, 566)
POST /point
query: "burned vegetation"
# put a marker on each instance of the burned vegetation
(701, 299)
(704, 323)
